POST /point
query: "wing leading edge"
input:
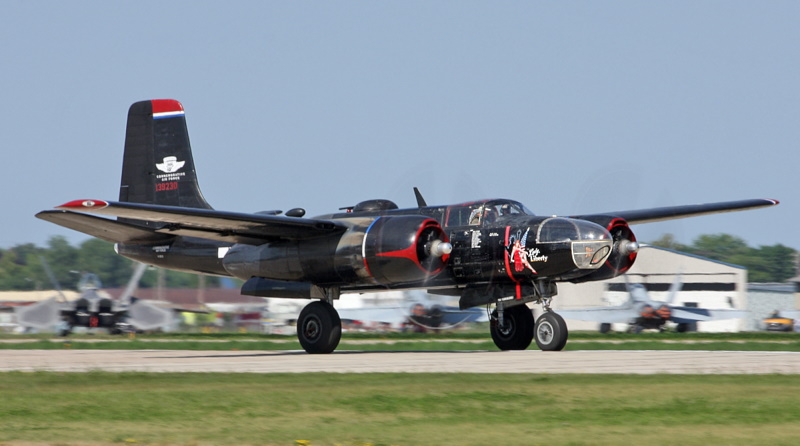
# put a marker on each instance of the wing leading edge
(674, 212)
(205, 223)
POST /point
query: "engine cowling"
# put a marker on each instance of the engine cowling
(405, 249)
(623, 254)
(374, 250)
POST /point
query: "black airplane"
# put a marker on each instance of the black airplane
(485, 252)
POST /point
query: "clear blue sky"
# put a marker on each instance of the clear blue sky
(569, 107)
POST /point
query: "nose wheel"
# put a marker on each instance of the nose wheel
(551, 332)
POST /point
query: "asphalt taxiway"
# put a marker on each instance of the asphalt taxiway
(527, 361)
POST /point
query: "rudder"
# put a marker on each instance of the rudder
(157, 166)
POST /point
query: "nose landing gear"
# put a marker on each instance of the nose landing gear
(551, 332)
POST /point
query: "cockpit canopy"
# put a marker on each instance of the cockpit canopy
(559, 229)
(591, 243)
(483, 212)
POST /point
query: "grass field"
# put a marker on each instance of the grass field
(412, 342)
(101, 408)
(401, 409)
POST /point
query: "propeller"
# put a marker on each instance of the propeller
(625, 246)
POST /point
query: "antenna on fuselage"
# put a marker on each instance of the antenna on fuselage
(420, 201)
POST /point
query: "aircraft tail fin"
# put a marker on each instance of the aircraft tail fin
(157, 166)
(676, 286)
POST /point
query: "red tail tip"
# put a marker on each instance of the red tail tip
(166, 106)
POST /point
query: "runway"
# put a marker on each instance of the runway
(527, 361)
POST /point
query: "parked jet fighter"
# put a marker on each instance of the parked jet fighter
(642, 312)
(91, 310)
(485, 252)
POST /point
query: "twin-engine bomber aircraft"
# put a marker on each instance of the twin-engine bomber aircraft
(486, 252)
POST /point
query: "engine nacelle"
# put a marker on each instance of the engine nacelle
(374, 250)
(623, 255)
(404, 249)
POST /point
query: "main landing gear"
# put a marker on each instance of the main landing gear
(319, 327)
(513, 328)
(517, 329)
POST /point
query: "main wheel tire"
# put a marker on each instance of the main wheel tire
(517, 330)
(319, 328)
(551, 332)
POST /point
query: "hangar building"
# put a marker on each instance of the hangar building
(706, 284)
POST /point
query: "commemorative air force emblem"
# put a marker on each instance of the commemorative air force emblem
(170, 164)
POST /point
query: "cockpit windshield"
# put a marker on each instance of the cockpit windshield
(484, 212)
(507, 207)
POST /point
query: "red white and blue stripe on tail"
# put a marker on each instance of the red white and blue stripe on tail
(166, 108)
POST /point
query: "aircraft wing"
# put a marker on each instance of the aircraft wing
(601, 314)
(673, 212)
(232, 227)
(41, 315)
(691, 314)
(388, 315)
(109, 230)
(147, 316)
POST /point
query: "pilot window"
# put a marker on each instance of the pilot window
(459, 215)
(483, 214)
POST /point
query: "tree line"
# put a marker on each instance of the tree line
(22, 267)
(775, 263)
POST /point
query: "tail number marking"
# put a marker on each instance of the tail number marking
(168, 185)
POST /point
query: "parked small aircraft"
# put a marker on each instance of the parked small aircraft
(641, 312)
(411, 308)
(781, 320)
(485, 252)
(91, 310)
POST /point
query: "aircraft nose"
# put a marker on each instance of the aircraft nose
(592, 244)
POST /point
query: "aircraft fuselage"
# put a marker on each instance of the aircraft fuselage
(390, 249)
